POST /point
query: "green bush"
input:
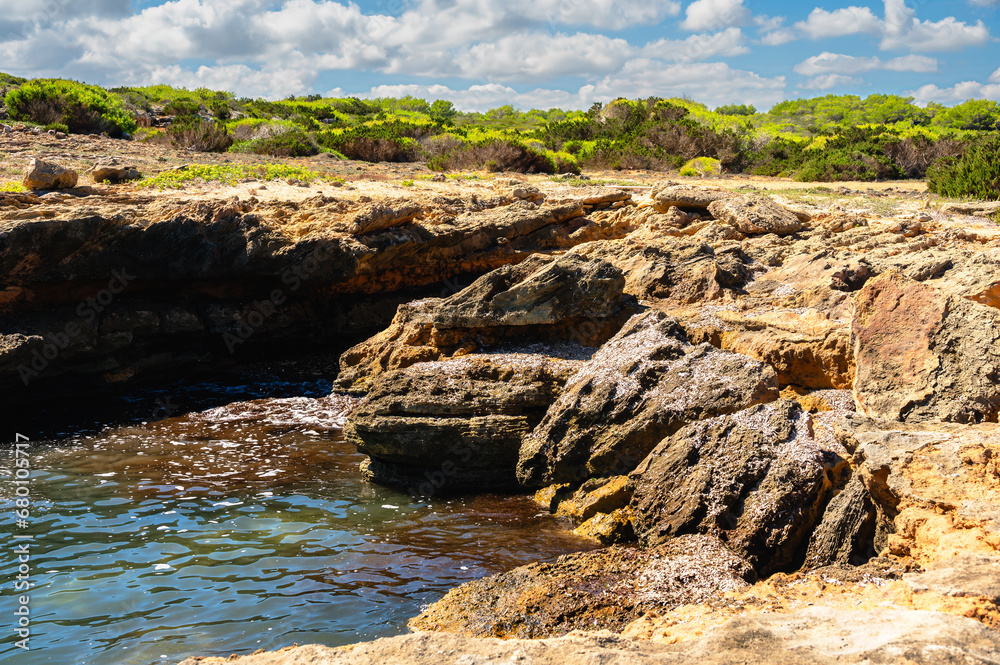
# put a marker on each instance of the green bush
(845, 164)
(82, 108)
(976, 174)
(291, 143)
(701, 167)
(195, 133)
(56, 126)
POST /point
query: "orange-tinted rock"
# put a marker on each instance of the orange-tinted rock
(925, 355)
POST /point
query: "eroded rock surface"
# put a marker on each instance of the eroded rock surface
(758, 478)
(642, 385)
(438, 427)
(925, 355)
(594, 590)
(569, 298)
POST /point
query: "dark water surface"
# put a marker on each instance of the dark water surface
(235, 528)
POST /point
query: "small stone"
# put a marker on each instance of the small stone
(47, 175)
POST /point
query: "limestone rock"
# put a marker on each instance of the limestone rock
(604, 589)
(539, 299)
(517, 189)
(846, 534)
(925, 355)
(757, 477)
(381, 216)
(667, 194)
(457, 424)
(811, 636)
(48, 175)
(644, 384)
(966, 575)
(111, 170)
(683, 270)
(756, 215)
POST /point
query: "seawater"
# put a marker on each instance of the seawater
(236, 528)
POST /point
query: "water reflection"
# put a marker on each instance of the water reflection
(243, 527)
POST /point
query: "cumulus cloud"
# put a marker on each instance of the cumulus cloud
(898, 28)
(829, 81)
(713, 83)
(837, 63)
(713, 15)
(558, 55)
(729, 42)
(840, 22)
(959, 92)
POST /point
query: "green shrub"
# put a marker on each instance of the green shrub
(291, 143)
(56, 126)
(737, 109)
(845, 164)
(228, 174)
(702, 167)
(195, 133)
(82, 108)
(976, 174)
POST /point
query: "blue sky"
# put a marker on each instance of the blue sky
(530, 53)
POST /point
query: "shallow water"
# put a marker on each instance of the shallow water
(237, 528)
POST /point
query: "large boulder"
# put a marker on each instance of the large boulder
(112, 170)
(644, 384)
(755, 215)
(758, 478)
(604, 589)
(48, 175)
(455, 424)
(924, 355)
(569, 298)
(678, 269)
(667, 194)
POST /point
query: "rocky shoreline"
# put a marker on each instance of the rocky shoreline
(781, 419)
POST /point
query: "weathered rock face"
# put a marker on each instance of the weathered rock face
(112, 170)
(569, 298)
(925, 355)
(644, 384)
(604, 589)
(755, 215)
(667, 194)
(47, 175)
(455, 425)
(846, 533)
(757, 478)
(237, 274)
(683, 270)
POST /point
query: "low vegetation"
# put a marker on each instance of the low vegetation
(836, 137)
(228, 174)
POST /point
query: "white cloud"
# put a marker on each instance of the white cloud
(828, 81)
(713, 15)
(713, 83)
(899, 29)
(959, 92)
(903, 30)
(840, 22)
(729, 42)
(551, 55)
(779, 37)
(912, 63)
(837, 63)
(995, 77)
(825, 63)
